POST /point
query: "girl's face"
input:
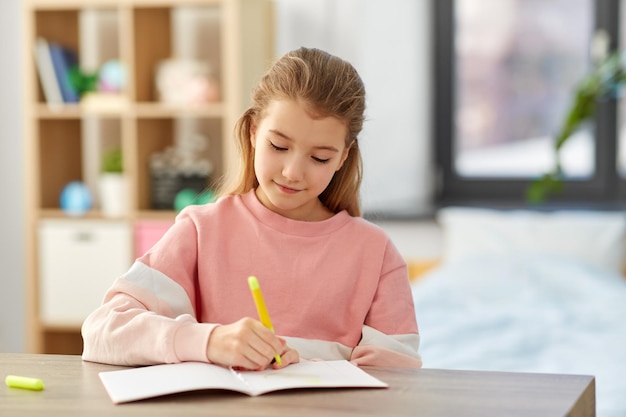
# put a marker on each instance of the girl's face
(296, 156)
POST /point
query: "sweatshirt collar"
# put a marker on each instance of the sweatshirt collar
(290, 226)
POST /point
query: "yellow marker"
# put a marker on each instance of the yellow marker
(264, 316)
(24, 382)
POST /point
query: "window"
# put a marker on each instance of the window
(506, 71)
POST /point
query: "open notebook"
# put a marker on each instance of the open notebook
(152, 381)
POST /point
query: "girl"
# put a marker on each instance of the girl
(334, 284)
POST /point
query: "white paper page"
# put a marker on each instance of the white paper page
(308, 374)
(152, 381)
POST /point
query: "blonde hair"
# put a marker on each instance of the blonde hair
(330, 87)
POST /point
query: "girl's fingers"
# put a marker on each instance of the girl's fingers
(269, 344)
(245, 343)
(258, 346)
(289, 356)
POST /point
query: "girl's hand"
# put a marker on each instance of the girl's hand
(287, 356)
(247, 344)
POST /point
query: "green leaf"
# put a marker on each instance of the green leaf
(112, 161)
(83, 82)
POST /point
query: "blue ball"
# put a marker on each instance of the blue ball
(75, 199)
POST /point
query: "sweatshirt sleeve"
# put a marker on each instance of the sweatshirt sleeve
(390, 335)
(147, 317)
(379, 349)
(134, 327)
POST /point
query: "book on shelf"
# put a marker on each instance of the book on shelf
(47, 77)
(64, 60)
(134, 384)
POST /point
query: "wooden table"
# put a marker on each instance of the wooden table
(72, 388)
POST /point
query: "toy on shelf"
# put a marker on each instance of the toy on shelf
(108, 92)
(112, 77)
(185, 81)
(180, 167)
(187, 197)
(75, 199)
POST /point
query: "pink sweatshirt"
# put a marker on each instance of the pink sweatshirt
(335, 289)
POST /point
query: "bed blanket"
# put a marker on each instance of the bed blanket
(527, 313)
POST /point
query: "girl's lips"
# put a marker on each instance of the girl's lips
(286, 189)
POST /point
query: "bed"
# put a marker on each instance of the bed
(529, 291)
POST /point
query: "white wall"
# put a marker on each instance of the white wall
(388, 42)
(11, 181)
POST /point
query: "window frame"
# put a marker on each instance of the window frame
(605, 189)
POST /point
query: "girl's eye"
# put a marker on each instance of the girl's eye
(276, 148)
(320, 160)
(315, 159)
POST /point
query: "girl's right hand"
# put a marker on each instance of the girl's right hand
(248, 344)
(288, 356)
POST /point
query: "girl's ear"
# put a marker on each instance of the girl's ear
(344, 156)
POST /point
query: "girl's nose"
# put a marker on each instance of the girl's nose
(293, 169)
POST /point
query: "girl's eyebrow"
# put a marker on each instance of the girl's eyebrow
(284, 136)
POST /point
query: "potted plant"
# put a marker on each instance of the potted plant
(112, 184)
(603, 81)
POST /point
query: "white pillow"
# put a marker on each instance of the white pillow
(593, 236)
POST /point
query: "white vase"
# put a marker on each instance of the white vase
(113, 195)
